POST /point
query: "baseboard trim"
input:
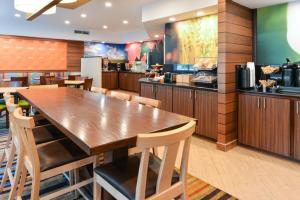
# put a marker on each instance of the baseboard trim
(226, 147)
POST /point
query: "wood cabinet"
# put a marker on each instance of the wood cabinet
(264, 123)
(148, 90)
(164, 94)
(183, 101)
(297, 130)
(130, 81)
(110, 80)
(206, 112)
(249, 120)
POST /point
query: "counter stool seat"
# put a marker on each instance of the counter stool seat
(123, 175)
(23, 103)
(59, 153)
(47, 133)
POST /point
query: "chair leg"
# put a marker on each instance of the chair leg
(76, 180)
(97, 189)
(9, 164)
(8, 143)
(7, 119)
(35, 190)
(20, 170)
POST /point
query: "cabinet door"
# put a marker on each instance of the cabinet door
(276, 135)
(123, 81)
(114, 80)
(164, 94)
(183, 101)
(249, 117)
(106, 80)
(148, 90)
(297, 130)
(206, 111)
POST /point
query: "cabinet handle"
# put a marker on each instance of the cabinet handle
(258, 103)
(297, 108)
(265, 103)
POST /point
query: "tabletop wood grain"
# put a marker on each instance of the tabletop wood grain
(99, 123)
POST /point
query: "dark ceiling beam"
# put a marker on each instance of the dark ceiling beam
(43, 9)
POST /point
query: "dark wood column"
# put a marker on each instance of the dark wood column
(235, 47)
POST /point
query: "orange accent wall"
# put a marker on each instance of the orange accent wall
(22, 54)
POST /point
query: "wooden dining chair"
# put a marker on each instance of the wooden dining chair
(99, 90)
(43, 86)
(73, 77)
(47, 160)
(23, 79)
(120, 95)
(146, 101)
(42, 134)
(59, 82)
(43, 79)
(145, 176)
(88, 82)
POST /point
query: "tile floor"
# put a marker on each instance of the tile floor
(245, 173)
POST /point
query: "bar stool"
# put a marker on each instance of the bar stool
(88, 82)
(44, 161)
(145, 176)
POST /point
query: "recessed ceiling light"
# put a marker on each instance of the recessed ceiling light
(200, 13)
(105, 27)
(17, 15)
(83, 15)
(67, 22)
(156, 36)
(103, 42)
(172, 19)
(141, 41)
(108, 4)
(128, 42)
(125, 22)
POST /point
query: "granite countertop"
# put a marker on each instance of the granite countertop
(184, 85)
(279, 94)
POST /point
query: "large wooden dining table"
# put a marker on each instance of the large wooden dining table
(99, 123)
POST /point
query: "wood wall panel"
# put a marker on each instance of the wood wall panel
(235, 47)
(75, 52)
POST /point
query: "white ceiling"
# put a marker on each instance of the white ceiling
(52, 26)
(260, 3)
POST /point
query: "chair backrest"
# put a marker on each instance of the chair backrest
(88, 84)
(170, 140)
(73, 77)
(59, 82)
(23, 79)
(43, 86)
(147, 101)
(24, 126)
(43, 79)
(12, 127)
(49, 79)
(99, 90)
(120, 95)
(7, 96)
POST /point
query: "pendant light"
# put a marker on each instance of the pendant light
(32, 6)
(68, 1)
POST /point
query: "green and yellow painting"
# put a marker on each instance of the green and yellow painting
(278, 33)
(189, 41)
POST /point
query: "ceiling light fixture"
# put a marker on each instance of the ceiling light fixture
(67, 22)
(17, 15)
(172, 19)
(83, 15)
(108, 4)
(141, 41)
(32, 6)
(125, 22)
(68, 1)
(200, 13)
(105, 27)
(156, 36)
(103, 42)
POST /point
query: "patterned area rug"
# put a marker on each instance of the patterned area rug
(197, 189)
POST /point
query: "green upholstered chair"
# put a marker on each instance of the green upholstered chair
(24, 105)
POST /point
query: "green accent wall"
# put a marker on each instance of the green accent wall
(272, 43)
